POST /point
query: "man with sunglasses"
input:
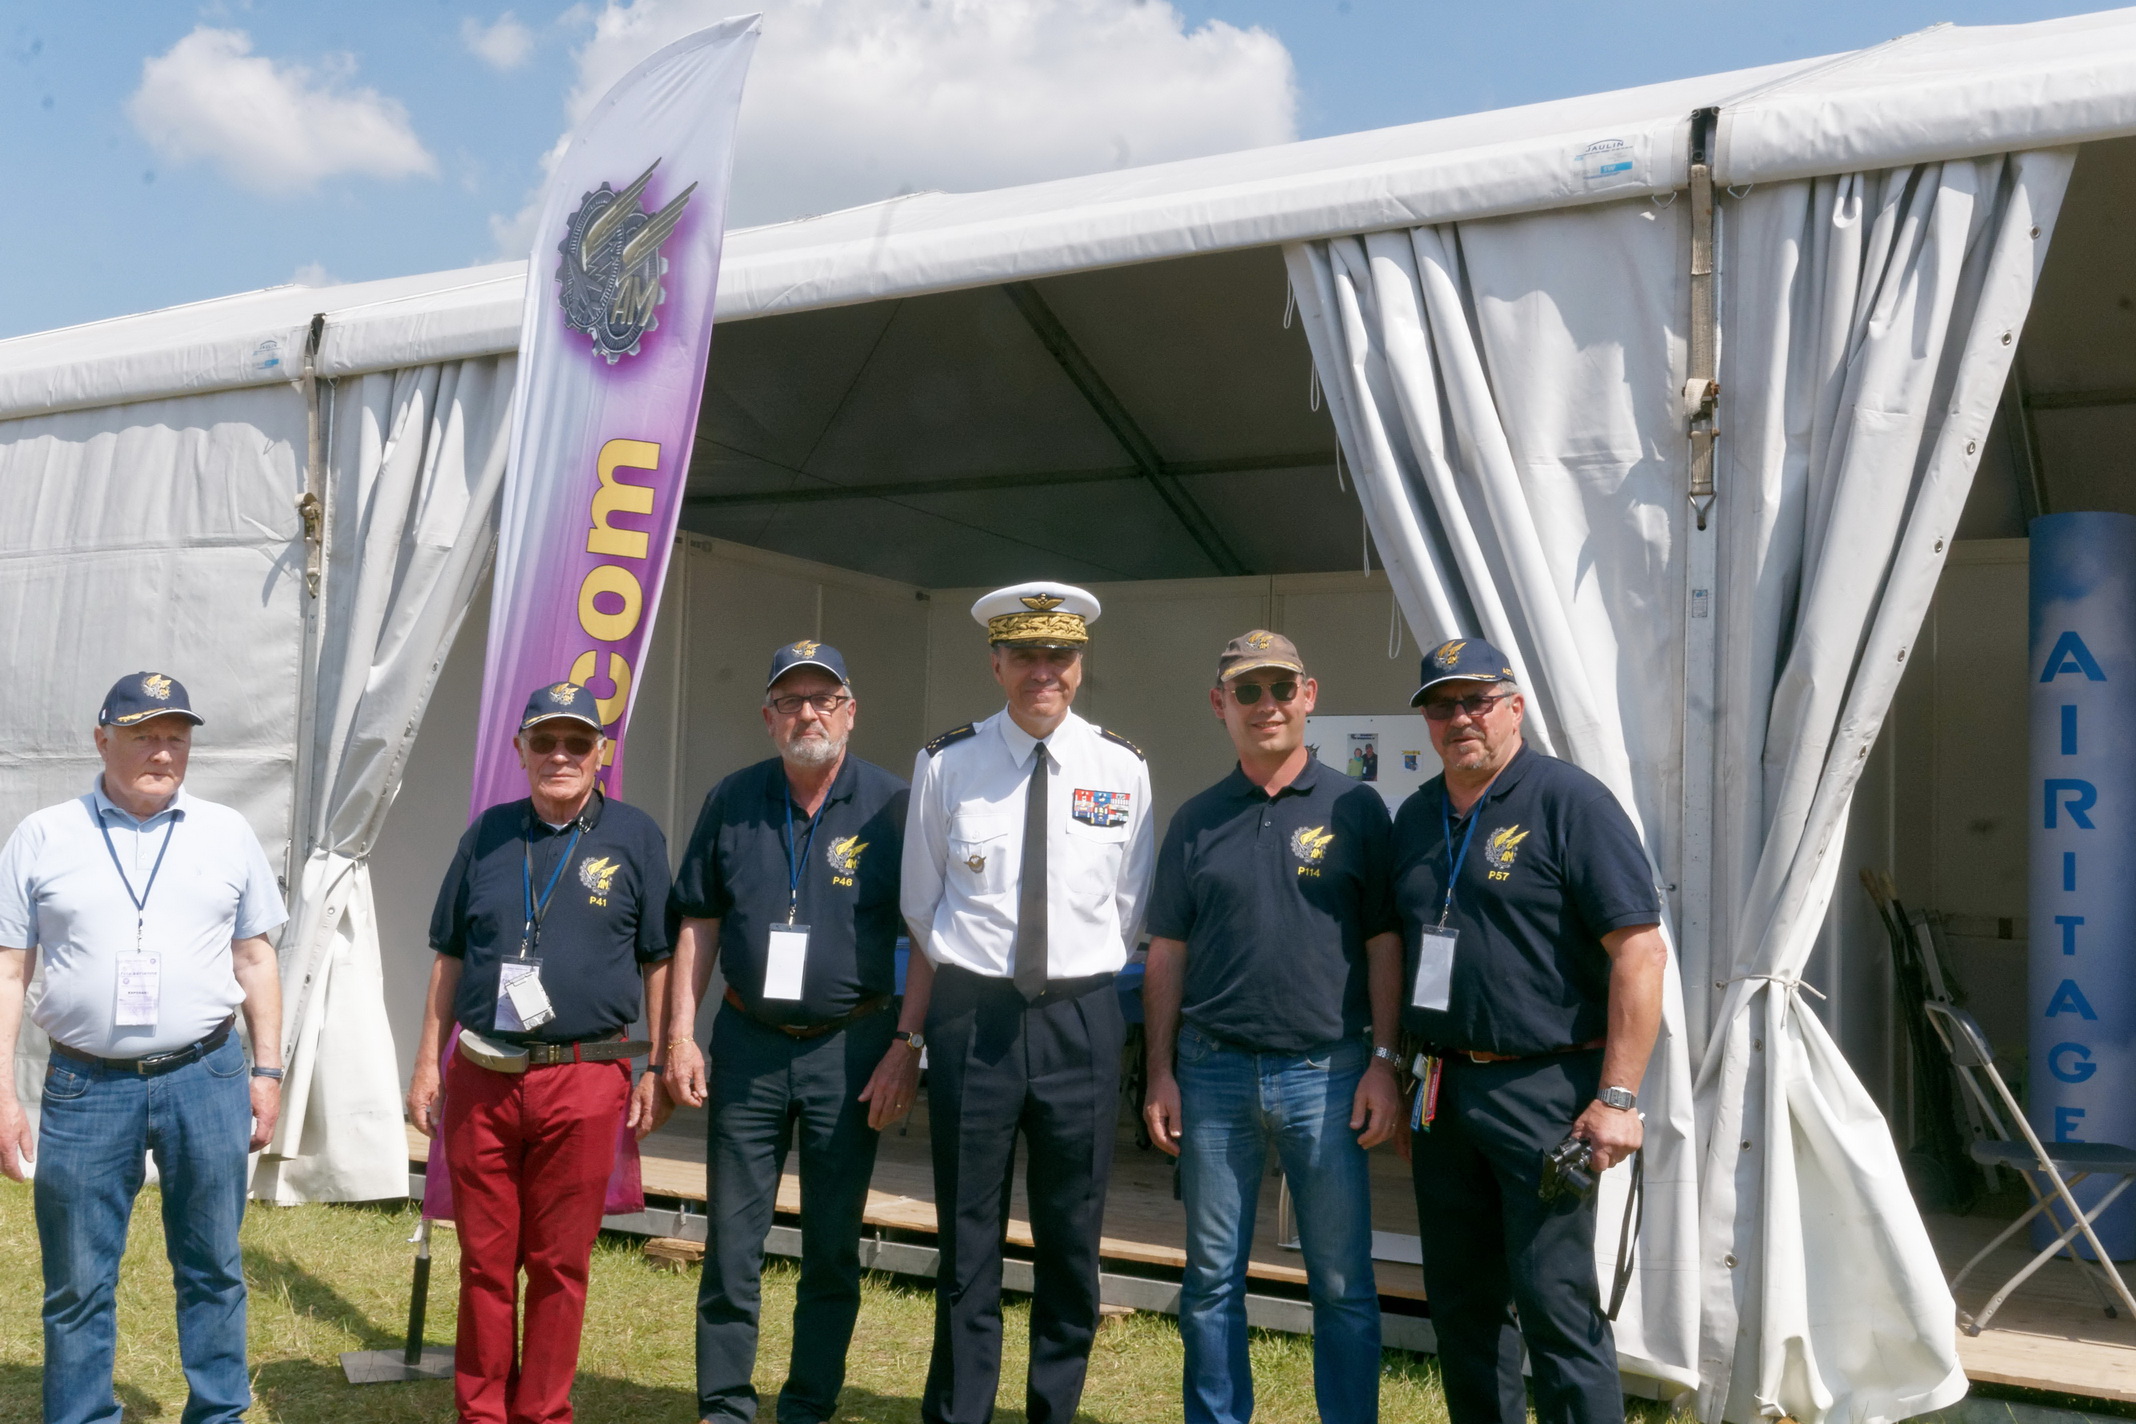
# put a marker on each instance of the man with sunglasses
(790, 881)
(1270, 1007)
(551, 933)
(1533, 982)
(1027, 855)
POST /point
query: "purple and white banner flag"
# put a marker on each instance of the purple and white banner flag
(612, 356)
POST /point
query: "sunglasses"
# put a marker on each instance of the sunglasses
(1443, 709)
(1249, 693)
(577, 743)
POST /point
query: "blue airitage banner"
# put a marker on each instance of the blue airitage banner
(2081, 1086)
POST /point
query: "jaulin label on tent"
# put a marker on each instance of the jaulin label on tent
(609, 281)
(1606, 160)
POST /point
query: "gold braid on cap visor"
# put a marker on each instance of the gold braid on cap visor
(1064, 628)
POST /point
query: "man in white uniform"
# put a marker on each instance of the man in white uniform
(1027, 858)
(150, 909)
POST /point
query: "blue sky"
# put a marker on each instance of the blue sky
(159, 153)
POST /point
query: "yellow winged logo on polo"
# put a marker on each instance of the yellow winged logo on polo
(844, 854)
(1310, 843)
(597, 873)
(1503, 845)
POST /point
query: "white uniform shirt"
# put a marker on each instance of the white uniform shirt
(964, 838)
(60, 895)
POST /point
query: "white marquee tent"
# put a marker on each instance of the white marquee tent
(1512, 320)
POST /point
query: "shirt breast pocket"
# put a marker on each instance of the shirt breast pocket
(979, 855)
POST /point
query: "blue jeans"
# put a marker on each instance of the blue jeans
(99, 1125)
(1236, 1104)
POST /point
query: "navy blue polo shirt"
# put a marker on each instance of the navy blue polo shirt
(605, 918)
(1553, 866)
(735, 870)
(1274, 898)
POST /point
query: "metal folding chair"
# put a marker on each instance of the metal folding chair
(2006, 1139)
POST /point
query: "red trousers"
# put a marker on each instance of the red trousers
(530, 1154)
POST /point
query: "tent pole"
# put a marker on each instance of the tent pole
(1695, 880)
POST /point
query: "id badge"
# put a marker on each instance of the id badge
(522, 1003)
(785, 960)
(1435, 968)
(140, 990)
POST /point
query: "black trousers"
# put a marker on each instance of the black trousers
(766, 1090)
(1491, 1244)
(1050, 1070)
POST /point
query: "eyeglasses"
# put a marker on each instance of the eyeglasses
(825, 703)
(544, 743)
(1443, 709)
(1249, 693)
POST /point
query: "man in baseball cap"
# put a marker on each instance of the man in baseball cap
(149, 910)
(550, 935)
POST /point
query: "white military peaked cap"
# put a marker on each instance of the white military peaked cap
(1037, 615)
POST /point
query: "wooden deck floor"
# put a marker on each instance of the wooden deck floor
(2051, 1335)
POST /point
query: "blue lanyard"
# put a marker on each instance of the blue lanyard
(536, 909)
(140, 901)
(1453, 867)
(795, 865)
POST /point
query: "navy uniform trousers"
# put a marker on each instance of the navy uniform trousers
(1491, 1244)
(1050, 1070)
(768, 1089)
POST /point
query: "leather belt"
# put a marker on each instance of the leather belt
(858, 1012)
(1475, 1056)
(600, 1050)
(155, 1063)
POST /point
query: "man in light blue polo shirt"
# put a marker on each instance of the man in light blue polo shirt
(150, 910)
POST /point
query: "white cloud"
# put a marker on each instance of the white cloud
(273, 128)
(504, 43)
(850, 101)
(314, 274)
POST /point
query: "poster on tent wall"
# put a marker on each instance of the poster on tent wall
(612, 350)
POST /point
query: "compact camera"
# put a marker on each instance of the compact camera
(1568, 1170)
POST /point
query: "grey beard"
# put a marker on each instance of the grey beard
(812, 751)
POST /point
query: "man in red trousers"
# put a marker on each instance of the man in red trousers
(551, 935)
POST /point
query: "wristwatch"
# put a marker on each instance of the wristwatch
(271, 1073)
(1389, 1056)
(1622, 1099)
(917, 1042)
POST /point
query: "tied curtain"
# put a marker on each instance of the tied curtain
(1508, 392)
(415, 462)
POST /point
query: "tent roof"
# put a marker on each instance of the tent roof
(1940, 93)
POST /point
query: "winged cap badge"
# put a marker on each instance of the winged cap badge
(561, 694)
(1448, 654)
(1040, 602)
(1259, 641)
(158, 686)
(609, 280)
(804, 649)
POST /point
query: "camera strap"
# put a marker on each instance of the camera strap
(1628, 1236)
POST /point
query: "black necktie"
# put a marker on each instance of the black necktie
(1029, 969)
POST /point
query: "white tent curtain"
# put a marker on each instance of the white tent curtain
(1499, 388)
(1869, 323)
(415, 462)
(1507, 393)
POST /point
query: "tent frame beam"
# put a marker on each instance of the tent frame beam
(976, 484)
(1108, 409)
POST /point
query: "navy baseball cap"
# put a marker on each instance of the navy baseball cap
(1462, 660)
(806, 653)
(139, 696)
(561, 701)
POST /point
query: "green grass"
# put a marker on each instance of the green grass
(329, 1279)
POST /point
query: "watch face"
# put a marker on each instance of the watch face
(1622, 1098)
